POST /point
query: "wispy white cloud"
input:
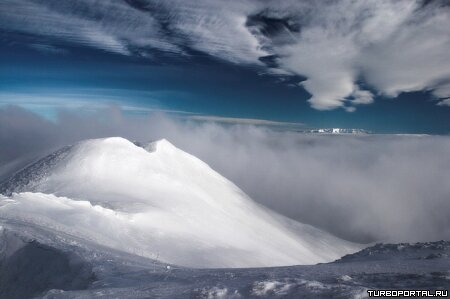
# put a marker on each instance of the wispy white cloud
(89, 100)
(443, 92)
(445, 102)
(246, 121)
(361, 96)
(49, 49)
(98, 99)
(391, 46)
(112, 25)
(217, 28)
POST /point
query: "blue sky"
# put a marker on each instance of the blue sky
(383, 66)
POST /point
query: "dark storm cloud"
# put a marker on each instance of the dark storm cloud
(363, 188)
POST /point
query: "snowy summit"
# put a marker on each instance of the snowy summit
(158, 202)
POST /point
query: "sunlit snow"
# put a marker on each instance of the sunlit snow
(162, 203)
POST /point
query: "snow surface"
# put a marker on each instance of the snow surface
(35, 270)
(161, 203)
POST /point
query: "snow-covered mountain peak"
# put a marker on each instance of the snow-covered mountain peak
(161, 203)
(162, 145)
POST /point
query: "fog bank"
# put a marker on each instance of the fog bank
(362, 188)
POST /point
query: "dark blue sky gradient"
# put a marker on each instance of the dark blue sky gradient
(198, 84)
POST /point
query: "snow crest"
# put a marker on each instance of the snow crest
(159, 202)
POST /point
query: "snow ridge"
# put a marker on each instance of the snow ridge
(159, 202)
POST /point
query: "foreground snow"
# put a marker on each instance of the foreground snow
(161, 203)
(83, 270)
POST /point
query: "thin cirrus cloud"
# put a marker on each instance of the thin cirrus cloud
(90, 100)
(97, 99)
(348, 51)
(244, 121)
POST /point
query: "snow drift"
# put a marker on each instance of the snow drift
(158, 202)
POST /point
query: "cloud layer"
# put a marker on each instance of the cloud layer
(362, 188)
(348, 50)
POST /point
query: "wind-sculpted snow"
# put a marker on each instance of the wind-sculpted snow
(159, 203)
(104, 273)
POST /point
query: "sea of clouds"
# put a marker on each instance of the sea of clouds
(390, 188)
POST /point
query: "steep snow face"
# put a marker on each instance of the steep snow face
(159, 202)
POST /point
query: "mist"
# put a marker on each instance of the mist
(389, 188)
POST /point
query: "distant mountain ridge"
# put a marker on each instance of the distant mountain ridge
(336, 131)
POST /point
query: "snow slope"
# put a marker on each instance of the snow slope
(158, 202)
